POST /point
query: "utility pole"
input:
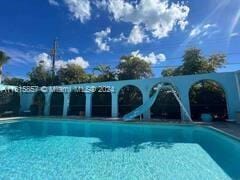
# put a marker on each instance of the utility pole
(53, 55)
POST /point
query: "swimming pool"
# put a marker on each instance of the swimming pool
(40, 149)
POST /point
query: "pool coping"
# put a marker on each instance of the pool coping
(120, 121)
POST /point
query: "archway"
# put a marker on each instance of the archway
(101, 104)
(166, 105)
(77, 103)
(37, 108)
(208, 97)
(129, 98)
(56, 105)
(9, 103)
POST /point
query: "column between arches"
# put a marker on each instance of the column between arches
(115, 104)
(88, 110)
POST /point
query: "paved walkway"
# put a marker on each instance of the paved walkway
(230, 128)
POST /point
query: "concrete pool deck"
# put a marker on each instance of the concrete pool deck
(231, 128)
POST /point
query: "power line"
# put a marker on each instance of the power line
(176, 65)
(173, 44)
(173, 66)
(53, 55)
(113, 62)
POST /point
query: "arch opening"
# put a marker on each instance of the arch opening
(129, 98)
(77, 104)
(37, 107)
(56, 104)
(208, 97)
(166, 105)
(101, 104)
(9, 103)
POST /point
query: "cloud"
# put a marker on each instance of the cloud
(79, 61)
(120, 38)
(80, 9)
(45, 60)
(203, 30)
(19, 56)
(15, 43)
(101, 4)
(155, 16)
(73, 50)
(137, 35)
(234, 34)
(53, 2)
(151, 57)
(22, 45)
(101, 39)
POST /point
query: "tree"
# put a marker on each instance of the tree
(205, 94)
(195, 63)
(129, 98)
(9, 101)
(3, 60)
(132, 67)
(40, 76)
(105, 73)
(168, 72)
(208, 97)
(37, 108)
(72, 74)
(14, 81)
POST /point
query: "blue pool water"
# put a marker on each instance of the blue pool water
(40, 149)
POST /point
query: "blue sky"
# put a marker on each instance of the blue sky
(92, 32)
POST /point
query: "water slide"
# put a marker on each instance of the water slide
(180, 103)
(143, 108)
(147, 105)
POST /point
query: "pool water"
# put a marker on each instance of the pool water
(50, 149)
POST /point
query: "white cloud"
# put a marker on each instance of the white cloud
(158, 17)
(14, 43)
(203, 30)
(102, 39)
(46, 61)
(195, 32)
(151, 57)
(79, 61)
(73, 50)
(53, 2)
(137, 35)
(234, 34)
(101, 4)
(208, 26)
(24, 46)
(120, 9)
(80, 9)
(121, 37)
(18, 56)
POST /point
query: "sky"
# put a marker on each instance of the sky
(93, 32)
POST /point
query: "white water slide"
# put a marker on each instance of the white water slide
(148, 104)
